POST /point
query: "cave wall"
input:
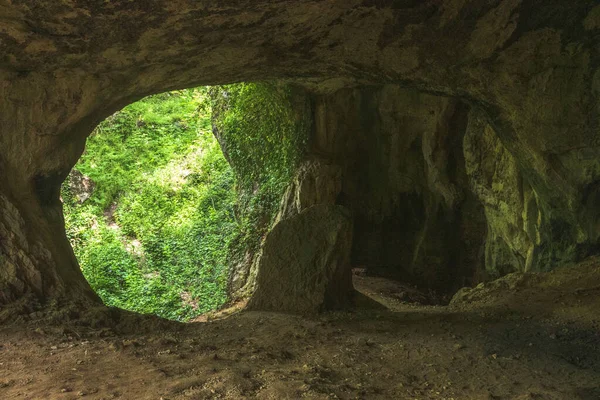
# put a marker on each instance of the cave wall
(532, 68)
(437, 199)
(304, 263)
(403, 177)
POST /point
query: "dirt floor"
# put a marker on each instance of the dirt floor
(523, 337)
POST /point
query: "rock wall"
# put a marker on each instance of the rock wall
(403, 177)
(304, 264)
(437, 198)
(510, 205)
(28, 267)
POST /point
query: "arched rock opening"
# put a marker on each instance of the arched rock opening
(532, 80)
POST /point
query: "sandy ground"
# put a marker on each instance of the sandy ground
(524, 337)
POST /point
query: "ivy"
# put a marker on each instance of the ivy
(153, 236)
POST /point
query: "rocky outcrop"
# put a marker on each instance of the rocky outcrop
(27, 267)
(526, 231)
(510, 205)
(437, 198)
(17, 269)
(304, 264)
(316, 185)
(531, 68)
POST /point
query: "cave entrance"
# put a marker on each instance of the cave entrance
(149, 208)
(174, 189)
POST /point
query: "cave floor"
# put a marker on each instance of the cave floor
(385, 349)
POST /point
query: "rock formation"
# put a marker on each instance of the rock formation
(529, 72)
(304, 264)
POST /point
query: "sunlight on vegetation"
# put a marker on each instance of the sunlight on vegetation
(162, 211)
(273, 122)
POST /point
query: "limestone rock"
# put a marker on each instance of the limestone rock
(304, 265)
(403, 177)
(495, 179)
(316, 182)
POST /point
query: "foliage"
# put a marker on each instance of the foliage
(263, 129)
(153, 237)
(168, 210)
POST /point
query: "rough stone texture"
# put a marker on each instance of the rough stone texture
(525, 232)
(26, 266)
(531, 67)
(510, 205)
(404, 178)
(316, 182)
(436, 196)
(14, 260)
(304, 265)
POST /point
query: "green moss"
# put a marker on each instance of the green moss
(168, 211)
(264, 129)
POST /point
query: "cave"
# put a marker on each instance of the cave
(452, 145)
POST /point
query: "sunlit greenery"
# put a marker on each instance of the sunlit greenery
(273, 121)
(167, 209)
(153, 237)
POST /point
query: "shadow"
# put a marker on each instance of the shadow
(362, 301)
(589, 393)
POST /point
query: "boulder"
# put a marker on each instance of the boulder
(304, 265)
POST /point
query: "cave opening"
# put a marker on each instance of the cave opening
(399, 178)
(168, 191)
(149, 208)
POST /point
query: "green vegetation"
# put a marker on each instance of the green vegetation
(167, 210)
(274, 122)
(153, 236)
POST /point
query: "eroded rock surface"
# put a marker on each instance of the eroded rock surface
(437, 198)
(304, 265)
(403, 177)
